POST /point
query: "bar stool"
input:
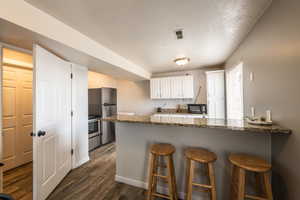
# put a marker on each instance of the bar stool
(241, 163)
(165, 151)
(201, 156)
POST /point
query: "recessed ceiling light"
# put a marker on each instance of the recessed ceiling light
(182, 61)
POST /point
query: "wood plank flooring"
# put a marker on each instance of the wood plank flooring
(95, 180)
(92, 181)
(18, 182)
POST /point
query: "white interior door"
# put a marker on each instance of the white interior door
(17, 116)
(52, 122)
(216, 94)
(234, 84)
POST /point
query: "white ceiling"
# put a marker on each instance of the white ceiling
(13, 34)
(143, 30)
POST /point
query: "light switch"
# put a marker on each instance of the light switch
(251, 76)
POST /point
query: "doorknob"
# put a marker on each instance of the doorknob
(41, 133)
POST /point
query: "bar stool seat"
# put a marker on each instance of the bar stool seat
(242, 163)
(166, 152)
(200, 156)
(162, 149)
(250, 163)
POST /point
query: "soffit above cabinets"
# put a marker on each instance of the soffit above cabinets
(143, 31)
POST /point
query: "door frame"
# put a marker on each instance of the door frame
(12, 47)
(240, 66)
(1, 93)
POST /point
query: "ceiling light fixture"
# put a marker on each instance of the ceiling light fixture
(182, 61)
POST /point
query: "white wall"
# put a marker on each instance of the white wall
(272, 52)
(98, 80)
(80, 116)
(135, 97)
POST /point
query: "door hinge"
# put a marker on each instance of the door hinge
(71, 75)
(72, 151)
(72, 113)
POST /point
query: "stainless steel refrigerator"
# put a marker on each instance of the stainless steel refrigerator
(103, 103)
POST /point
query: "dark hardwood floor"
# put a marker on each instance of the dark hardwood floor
(95, 180)
(92, 181)
(18, 182)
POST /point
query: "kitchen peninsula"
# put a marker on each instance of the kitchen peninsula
(135, 134)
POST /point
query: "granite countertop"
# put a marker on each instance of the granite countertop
(237, 125)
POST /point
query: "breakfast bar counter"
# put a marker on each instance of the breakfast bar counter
(194, 120)
(135, 134)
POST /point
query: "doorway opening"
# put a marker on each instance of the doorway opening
(17, 123)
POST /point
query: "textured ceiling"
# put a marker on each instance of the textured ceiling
(143, 30)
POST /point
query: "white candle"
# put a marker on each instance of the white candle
(252, 112)
(269, 118)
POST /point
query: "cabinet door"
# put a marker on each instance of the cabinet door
(165, 88)
(155, 88)
(176, 88)
(188, 87)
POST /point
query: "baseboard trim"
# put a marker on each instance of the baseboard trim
(82, 161)
(141, 184)
(132, 182)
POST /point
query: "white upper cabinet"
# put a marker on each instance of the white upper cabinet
(165, 88)
(188, 87)
(155, 88)
(178, 87)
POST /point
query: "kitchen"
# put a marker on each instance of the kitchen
(179, 125)
(190, 109)
(201, 95)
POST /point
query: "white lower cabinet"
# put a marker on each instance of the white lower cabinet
(178, 87)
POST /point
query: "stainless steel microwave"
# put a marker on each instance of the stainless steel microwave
(197, 108)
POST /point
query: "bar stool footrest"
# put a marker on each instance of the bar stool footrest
(161, 195)
(255, 197)
(202, 185)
